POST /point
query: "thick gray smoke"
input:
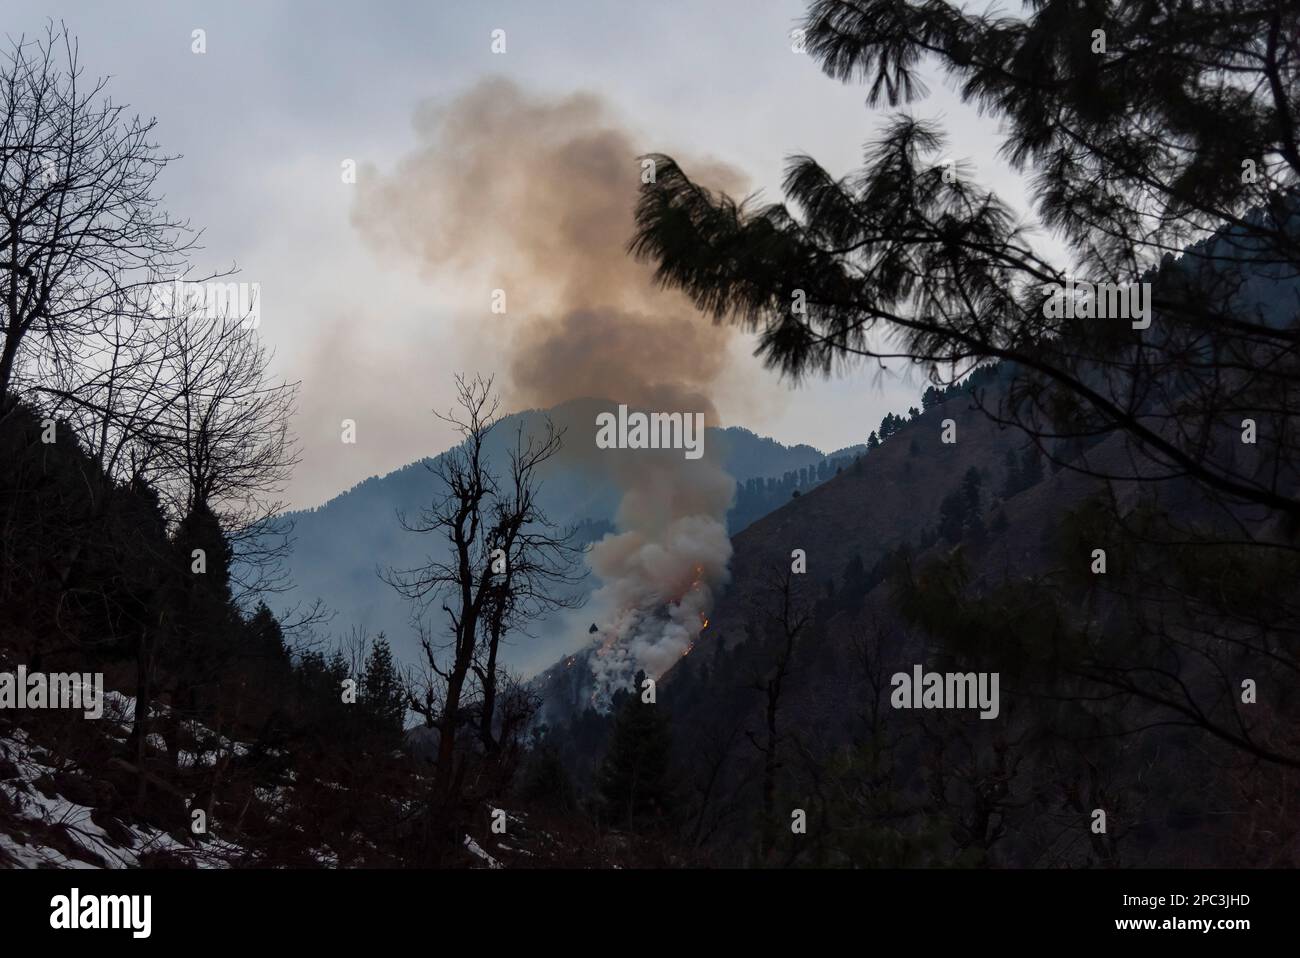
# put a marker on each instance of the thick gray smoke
(534, 197)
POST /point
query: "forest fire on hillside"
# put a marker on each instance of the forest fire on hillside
(647, 632)
(597, 326)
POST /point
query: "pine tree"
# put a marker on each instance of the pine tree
(545, 780)
(200, 530)
(633, 780)
(960, 513)
(268, 636)
(382, 693)
(952, 517)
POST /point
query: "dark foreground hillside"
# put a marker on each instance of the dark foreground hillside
(250, 752)
(971, 556)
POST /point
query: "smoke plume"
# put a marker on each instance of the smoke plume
(534, 197)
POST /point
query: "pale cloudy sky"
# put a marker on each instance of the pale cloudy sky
(288, 90)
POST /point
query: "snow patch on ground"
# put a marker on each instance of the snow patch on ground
(37, 813)
(476, 849)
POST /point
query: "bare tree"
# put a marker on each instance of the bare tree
(538, 563)
(207, 430)
(506, 564)
(221, 441)
(80, 225)
(789, 616)
(717, 799)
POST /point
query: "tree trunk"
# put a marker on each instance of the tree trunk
(140, 726)
(443, 778)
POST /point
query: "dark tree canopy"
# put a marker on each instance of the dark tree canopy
(633, 781)
(1129, 159)
(1158, 143)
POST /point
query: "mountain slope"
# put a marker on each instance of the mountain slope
(935, 787)
(341, 547)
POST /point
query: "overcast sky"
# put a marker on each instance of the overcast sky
(288, 90)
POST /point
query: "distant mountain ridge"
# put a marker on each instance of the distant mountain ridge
(340, 547)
